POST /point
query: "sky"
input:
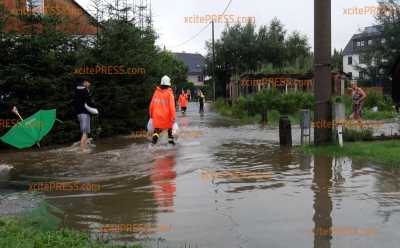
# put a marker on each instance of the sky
(296, 15)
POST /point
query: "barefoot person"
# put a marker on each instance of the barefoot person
(183, 101)
(162, 110)
(84, 107)
(358, 97)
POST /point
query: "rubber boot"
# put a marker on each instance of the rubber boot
(155, 138)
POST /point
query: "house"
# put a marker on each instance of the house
(77, 21)
(353, 56)
(195, 63)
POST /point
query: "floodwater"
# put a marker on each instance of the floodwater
(223, 185)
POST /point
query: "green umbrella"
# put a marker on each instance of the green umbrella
(30, 131)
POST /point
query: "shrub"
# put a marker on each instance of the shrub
(376, 99)
(357, 135)
(268, 100)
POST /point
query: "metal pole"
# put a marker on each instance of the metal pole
(213, 51)
(322, 71)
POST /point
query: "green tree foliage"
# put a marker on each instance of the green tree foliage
(37, 72)
(242, 48)
(381, 56)
(271, 100)
(337, 60)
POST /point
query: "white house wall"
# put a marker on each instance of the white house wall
(194, 79)
(353, 67)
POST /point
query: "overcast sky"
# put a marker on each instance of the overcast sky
(169, 21)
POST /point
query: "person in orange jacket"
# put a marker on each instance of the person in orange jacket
(183, 100)
(162, 110)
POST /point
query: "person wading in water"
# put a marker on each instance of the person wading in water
(162, 110)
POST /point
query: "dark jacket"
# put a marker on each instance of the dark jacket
(81, 97)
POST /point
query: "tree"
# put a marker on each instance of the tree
(242, 48)
(37, 72)
(337, 60)
(381, 55)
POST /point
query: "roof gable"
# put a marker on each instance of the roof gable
(194, 61)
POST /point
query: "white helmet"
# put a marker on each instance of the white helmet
(166, 81)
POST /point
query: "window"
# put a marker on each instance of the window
(363, 59)
(358, 44)
(369, 42)
(350, 75)
(36, 5)
(362, 43)
(200, 78)
(383, 40)
(350, 60)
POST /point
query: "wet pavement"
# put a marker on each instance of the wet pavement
(226, 186)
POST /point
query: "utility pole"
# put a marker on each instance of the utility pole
(213, 51)
(322, 70)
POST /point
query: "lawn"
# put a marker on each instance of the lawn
(384, 152)
(38, 229)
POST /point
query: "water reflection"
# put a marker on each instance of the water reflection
(231, 187)
(163, 176)
(322, 202)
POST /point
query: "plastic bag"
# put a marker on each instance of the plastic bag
(93, 111)
(150, 127)
(175, 129)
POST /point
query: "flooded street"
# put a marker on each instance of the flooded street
(222, 185)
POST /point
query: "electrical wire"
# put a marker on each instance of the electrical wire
(204, 28)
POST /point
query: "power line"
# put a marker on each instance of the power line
(204, 28)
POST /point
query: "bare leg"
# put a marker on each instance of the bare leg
(83, 143)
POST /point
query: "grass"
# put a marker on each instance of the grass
(381, 115)
(244, 118)
(384, 152)
(38, 229)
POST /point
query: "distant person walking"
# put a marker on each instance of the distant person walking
(189, 95)
(84, 107)
(201, 101)
(162, 110)
(358, 96)
(183, 101)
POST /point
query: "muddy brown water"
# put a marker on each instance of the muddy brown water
(231, 186)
